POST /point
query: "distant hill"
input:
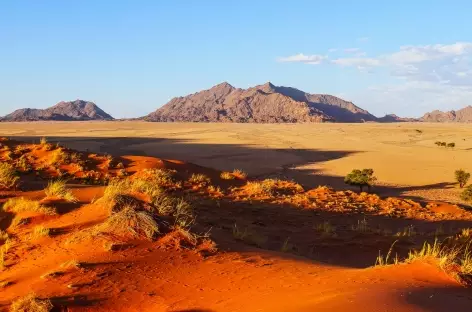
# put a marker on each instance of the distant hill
(395, 118)
(260, 104)
(62, 111)
(462, 115)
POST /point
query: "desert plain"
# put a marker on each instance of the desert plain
(284, 233)
(403, 155)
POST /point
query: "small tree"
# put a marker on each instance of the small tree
(462, 177)
(467, 194)
(361, 178)
(438, 143)
(443, 144)
(451, 145)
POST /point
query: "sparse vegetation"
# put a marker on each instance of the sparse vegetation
(326, 229)
(21, 204)
(58, 157)
(40, 231)
(200, 179)
(466, 195)
(8, 176)
(361, 178)
(451, 145)
(227, 176)
(58, 189)
(381, 260)
(130, 221)
(31, 303)
(238, 173)
(462, 177)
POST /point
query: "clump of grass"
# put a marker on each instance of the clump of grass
(407, 231)
(58, 157)
(227, 176)
(466, 195)
(326, 229)
(21, 204)
(31, 303)
(20, 149)
(8, 176)
(130, 221)
(381, 261)
(40, 231)
(58, 189)
(248, 237)
(238, 173)
(361, 226)
(23, 164)
(272, 187)
(200, 179)
(286, 246)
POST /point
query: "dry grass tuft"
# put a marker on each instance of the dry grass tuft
(200, 179)
(21, 204)
(39, 232)
(238, 173)
(31, 303)
(8, 176)
(129, 221)
(58, 157)
(227, 176)
(272, 187)
(58, 189)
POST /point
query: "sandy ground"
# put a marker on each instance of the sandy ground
(279, 259)
(403, 155)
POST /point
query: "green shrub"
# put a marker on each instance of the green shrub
(462, 177)
(361, 178)
(467, 194)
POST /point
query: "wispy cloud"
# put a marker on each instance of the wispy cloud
(356, 61)
(432, 76)
(302, 58)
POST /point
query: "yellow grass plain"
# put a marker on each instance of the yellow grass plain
(403, 155)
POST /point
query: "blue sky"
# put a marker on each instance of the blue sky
(130, 57)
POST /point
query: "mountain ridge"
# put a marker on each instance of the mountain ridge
(264, 103)
(77, 110)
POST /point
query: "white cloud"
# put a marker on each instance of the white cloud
(422, 77)
(363, 39)
(357, 61)
(302, 58)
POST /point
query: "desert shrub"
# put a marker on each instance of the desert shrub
(8, 155)
(130, 221)
(198, 178)
(466, 195)
(451, 145)
(58, 189)
(443, 144)
(238, 173)
(438, 143)
(21, 204)
(361, 178)
(8, 176)
(227, 175)
(181, 210)
(462, 177)
(31, 303)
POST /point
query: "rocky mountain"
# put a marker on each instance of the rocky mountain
(260, 104)
(62, 111)
(462, 115)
